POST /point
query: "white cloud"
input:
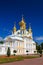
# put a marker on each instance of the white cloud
(1, 39)
(39, 38)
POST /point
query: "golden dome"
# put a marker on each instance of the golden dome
(22, 24)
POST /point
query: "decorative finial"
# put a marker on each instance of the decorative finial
(22, 16)
(14, 29)
(30, 30)
(30, 25)
(14, 24)
(22, 19)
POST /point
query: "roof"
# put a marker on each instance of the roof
(17, 38)
(13, 38)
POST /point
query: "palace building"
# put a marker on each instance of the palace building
(20, 40)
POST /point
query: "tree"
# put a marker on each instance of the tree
(1, 42)
(14, 51)
(38, 47)
(27, 51)
(39, 50)
(8, 52)
(42, 45)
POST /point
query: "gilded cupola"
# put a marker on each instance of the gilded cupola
(22, 24)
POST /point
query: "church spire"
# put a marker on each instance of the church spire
(14, 29)
(22, 18)
(30, 30)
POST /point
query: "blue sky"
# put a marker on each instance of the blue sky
(11, 11)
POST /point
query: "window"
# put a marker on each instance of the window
(27, 45)
(23, 31)
(18, 32)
